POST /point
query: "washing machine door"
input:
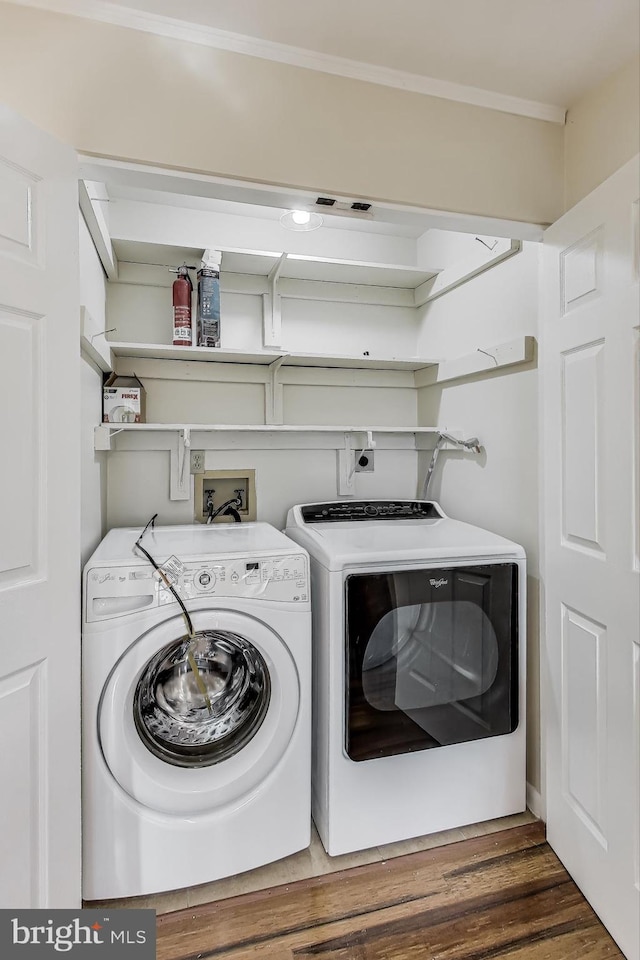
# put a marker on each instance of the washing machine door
(190, 725)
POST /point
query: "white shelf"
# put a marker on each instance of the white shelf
(485, 360)
(163, 351)
(166, 351)
(114, 428)
(360, 362)
(294, 267)
(179, 438)
(225, 436)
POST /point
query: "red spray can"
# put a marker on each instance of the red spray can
(182, 290)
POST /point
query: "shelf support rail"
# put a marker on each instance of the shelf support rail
(274, 393)
(346, 467)
(180, 485)
(272, 309)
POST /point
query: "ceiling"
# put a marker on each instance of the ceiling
(548, 51)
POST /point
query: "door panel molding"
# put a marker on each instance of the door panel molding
(22, 486)
(22, 695)
(582, 388)
(581, 271)
(584, 698)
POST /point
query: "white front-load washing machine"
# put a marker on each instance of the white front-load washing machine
(418, 674)
(196, 748)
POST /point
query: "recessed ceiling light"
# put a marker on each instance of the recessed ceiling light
(301, 220)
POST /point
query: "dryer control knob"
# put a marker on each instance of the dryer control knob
(371, 510)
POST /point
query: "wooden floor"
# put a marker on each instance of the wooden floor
(505, 895)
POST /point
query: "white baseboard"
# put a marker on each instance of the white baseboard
(535, 803)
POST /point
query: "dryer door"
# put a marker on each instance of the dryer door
(183, 740)
(432, 658)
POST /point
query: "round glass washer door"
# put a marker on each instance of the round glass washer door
(160, 741)
(200, 700)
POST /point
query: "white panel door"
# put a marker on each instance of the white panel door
(39, 520)
(591, 531)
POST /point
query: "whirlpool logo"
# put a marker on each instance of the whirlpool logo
(439, 583)
(37, 933)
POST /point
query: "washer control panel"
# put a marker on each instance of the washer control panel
(117, 591)
(268, 578)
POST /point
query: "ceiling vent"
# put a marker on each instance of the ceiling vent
(346, 208)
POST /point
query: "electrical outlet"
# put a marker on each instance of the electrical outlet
(364, 461)
(197, 461)
(216, 487)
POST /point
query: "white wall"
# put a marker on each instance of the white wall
(200, 392)
(138, 481)
(93, 467)
(498, 489)
(139, 306)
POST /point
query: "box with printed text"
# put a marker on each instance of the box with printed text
(123, 400)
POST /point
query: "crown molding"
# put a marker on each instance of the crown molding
(176, 29)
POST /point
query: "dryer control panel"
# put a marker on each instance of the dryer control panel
(118, 591)
(353, 510)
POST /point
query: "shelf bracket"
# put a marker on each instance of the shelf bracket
(465, 270)
(180, 483)
(272, 308)
(102, 437)
(485, 359)
(273, 393)
(346, 468)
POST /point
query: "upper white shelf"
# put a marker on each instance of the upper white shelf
(261, 263)
(323, 269)
(162, 351)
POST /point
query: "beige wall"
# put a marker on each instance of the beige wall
(128, 94)
(602, 132)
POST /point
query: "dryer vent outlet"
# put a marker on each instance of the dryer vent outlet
(364, 461)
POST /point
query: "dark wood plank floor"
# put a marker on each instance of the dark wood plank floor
(505, 896)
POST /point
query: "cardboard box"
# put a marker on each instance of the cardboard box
(123, 400)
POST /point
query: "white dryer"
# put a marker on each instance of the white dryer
(190, 775)
(419, 671)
